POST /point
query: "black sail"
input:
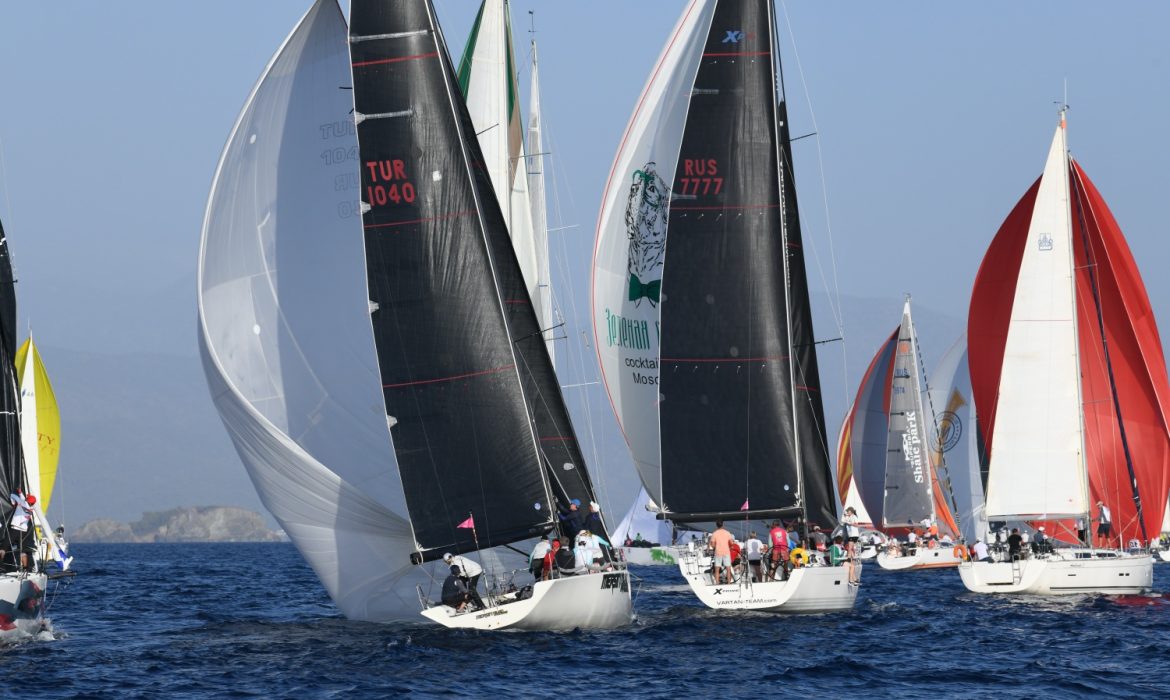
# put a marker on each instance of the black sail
(729, 438)
(479, 426)
(12, 469)
(7, 298)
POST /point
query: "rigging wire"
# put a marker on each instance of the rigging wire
(837, 310)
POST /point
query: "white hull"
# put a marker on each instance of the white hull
(1066, 572)
(22, 599)
(810, 589)
(650, 556)
(923, 558)
(1162, 555)
(591, 601)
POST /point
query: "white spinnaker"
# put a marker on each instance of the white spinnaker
(285, 337)
(853, 500)
(495, 118)
(535, 164)
(1037, 453)
(627, 332)
(950, 395)
(29, 434)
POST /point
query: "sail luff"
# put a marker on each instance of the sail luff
(29, 432)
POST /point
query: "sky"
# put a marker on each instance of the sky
(931, 120)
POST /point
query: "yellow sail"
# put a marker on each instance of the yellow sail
(48, 419)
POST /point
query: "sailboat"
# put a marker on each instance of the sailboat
(706, 344)
(23, 575)
(890, 430)
(1069, 378)
(389, 418)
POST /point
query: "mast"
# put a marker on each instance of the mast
(1072, 276)
(778, 82)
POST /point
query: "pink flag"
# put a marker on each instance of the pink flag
(745, 505)
(468, 524)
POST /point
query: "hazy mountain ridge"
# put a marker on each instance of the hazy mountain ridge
(139, 431)
(197, 524)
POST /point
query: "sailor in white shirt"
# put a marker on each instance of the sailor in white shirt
(471, 572)
(981, 551)
(754, 550)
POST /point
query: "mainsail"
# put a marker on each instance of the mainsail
(706, 344)
(478, 423)
(1052, 409)
(11, 461)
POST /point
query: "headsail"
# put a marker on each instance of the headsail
(478, 423)
(705, 340)
(40, 424)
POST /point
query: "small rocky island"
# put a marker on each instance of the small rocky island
(195, 524)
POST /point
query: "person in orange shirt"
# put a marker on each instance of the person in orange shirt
(721, 543)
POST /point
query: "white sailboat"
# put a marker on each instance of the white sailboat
(706, 344)
(1037, 315)
(377, 413)
(887, 445)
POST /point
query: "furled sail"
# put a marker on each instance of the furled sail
(40, 421)
(488, 82)
(1040, 379)
(479, 425)
(706, 344)
(285, 332)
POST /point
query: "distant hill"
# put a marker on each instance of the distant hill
(201, 524)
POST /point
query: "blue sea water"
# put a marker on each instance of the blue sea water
(252, 620)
